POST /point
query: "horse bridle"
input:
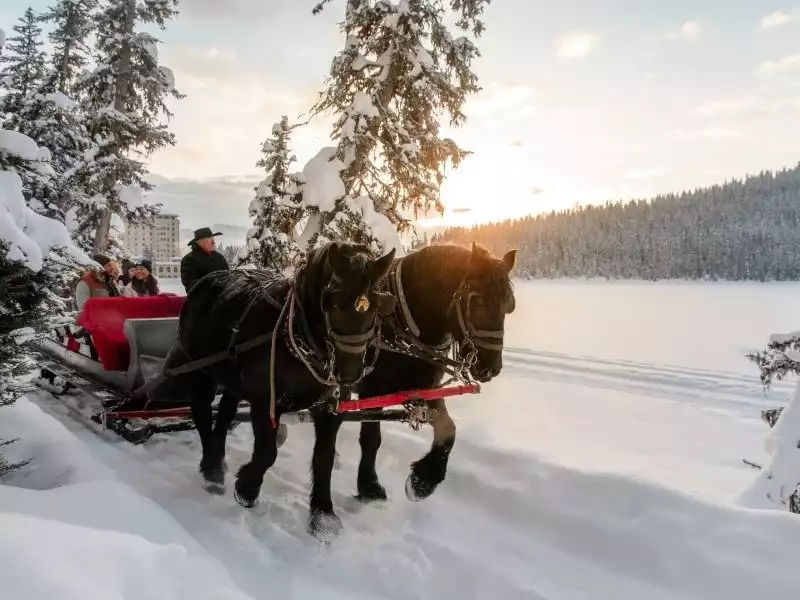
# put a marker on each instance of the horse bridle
(353, 343)
(477, 338)
(473, 338)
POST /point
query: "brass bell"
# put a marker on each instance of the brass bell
(362, 304)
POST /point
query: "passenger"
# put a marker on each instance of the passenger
(96, 283)
(143, 283)
(203, 259)
(127, 271)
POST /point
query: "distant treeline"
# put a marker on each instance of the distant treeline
(739, 230)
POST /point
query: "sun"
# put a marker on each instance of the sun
(494, 184)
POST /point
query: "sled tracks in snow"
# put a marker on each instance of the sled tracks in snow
(665, 381)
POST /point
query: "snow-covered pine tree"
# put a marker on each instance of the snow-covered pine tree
(53, 120)
(24, 62)
(49, 117)
(33, 250)
(400, 71)
(22, 78)
(276, 207)
(73, 21)
(124, 100)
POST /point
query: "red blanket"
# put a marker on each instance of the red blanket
(104, 318)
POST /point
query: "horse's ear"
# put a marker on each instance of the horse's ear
(339, 262)
(380, 267)
(386, 303)
(509, 259)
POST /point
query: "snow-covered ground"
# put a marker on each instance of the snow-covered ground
(604, 462)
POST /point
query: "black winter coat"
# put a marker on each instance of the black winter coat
(197, 264)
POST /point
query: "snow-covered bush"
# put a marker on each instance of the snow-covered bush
(778, 483)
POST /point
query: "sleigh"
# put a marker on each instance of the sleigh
(109, 358)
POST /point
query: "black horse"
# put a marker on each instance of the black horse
(332, 303)
(446, 294)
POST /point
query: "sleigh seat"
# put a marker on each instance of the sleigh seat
(105, 320)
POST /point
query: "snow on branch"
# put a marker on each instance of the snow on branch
(777, 484)
(781, 357)
(29, 236)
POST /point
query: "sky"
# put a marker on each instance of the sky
(582, 101)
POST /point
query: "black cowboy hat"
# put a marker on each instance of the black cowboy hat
(201, 233)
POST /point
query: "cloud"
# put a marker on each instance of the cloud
(228, 111)
(639, 174)
(723, 108)
(504, 100)
(575, 45)
(204, 65)
(706, 133)
(782, 65)
(689, 31)
(201, 202)
(778, 19)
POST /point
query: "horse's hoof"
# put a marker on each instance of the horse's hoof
(244, 497)
(324, 526)
(372, 492)
(213, 480)
(417, 489)
(214, 487)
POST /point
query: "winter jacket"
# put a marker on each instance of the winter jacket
(197, 264)
(139, 288)
(94, 285)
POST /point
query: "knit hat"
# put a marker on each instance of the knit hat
(146, 264)
(127, 264)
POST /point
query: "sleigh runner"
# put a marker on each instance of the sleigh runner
(114, 353)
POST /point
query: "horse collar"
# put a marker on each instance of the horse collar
(401, 298)
(406, 319)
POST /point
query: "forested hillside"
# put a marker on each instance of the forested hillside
(739, 230)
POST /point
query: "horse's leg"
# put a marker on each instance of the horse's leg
(322, 520)
(203, 392)
(265, 451)
(429, 471)
(228, 406)
(369, 488)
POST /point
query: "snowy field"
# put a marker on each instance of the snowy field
(603, 463)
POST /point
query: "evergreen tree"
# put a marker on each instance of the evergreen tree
(34, 252)
(49, 117)
(276, 208)
(73, 21)
(24, 61)
(23, 76)
(742, 229)
(124, 99)
(400, 71)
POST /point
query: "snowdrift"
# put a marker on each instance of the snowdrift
(71, 531)
(133, 522)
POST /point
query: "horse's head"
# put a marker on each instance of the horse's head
(351, 303)
(483, 299)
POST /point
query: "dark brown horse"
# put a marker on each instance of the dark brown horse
(446, 296)
(326, 324)
(445, 293)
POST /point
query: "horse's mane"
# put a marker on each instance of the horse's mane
(453, 260)
(247, 285)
